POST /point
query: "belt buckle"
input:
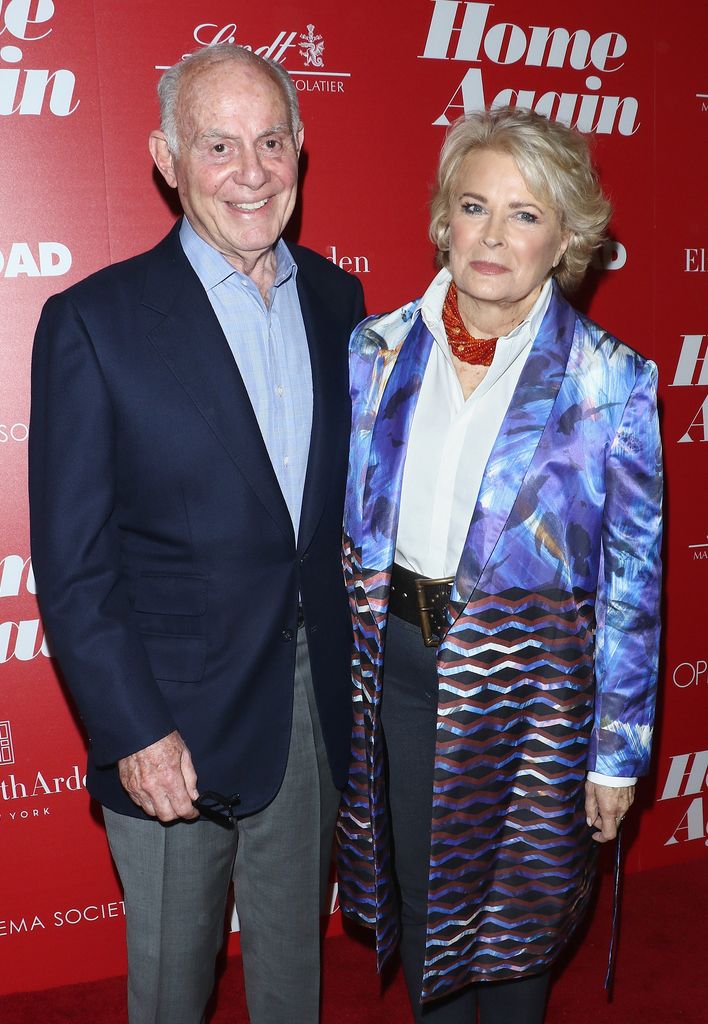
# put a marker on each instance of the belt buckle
(427, 605)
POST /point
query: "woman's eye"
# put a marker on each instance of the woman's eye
(471, 208)
(527, 217)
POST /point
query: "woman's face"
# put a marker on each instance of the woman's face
(504, 241)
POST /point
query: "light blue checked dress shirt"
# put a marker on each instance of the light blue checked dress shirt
(270, 347)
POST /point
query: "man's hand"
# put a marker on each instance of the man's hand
(161, 779)
(605, 806)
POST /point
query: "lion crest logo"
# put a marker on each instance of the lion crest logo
(312, 47)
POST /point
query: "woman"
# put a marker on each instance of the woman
(506, 449)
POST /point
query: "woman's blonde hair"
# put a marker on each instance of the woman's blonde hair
(555, 163)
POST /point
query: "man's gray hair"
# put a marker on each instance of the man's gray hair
(170, 84)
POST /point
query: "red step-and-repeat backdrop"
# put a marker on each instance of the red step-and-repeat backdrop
(77, 100)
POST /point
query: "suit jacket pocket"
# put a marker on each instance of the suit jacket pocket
(179, 659)
(170, 594)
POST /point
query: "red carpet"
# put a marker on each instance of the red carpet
(661, 971)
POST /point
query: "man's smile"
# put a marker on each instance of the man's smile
(248, 206)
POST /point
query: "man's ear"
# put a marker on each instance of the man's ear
(164, 161)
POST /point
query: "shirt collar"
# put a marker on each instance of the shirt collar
(212, 268)
(432, 303)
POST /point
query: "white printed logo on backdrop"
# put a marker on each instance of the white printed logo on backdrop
(20, 639)
(471, 33)
(25, 793)
(42, 259)
(31, 90)
(692, 372)
(691, 673)
(687, 776)
(695, 261)
(25, 924)
(302, 53)
(10, 432)
(7, 751)
(611, 255)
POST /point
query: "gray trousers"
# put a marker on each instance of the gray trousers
(176, 878)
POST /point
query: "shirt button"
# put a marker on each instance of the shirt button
(279, 389)
(286, 460)
(286, 635)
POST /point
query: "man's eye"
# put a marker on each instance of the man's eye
(219, 148)
(272, 144)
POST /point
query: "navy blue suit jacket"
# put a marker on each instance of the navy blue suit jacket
(167, 568)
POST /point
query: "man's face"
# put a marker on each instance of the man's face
(236, 169)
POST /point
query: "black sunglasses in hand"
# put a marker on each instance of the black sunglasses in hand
(217, 808)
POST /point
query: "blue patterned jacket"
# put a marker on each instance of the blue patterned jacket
(549, 664)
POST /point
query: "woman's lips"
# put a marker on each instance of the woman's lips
(484, 267)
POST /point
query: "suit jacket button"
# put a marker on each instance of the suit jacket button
(286, 635)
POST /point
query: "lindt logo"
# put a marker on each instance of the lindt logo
(302, 53)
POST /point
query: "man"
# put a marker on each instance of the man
(188, 444)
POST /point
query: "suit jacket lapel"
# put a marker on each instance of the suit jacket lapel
(516, 443)
(322, 330)
(193, 346)
(389, 444)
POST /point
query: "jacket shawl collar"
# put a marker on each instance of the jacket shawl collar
(515, 445)
(511, 455)
(389, 444)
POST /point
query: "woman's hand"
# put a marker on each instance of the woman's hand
(605, 806)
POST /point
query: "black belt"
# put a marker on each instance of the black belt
(421, 601)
